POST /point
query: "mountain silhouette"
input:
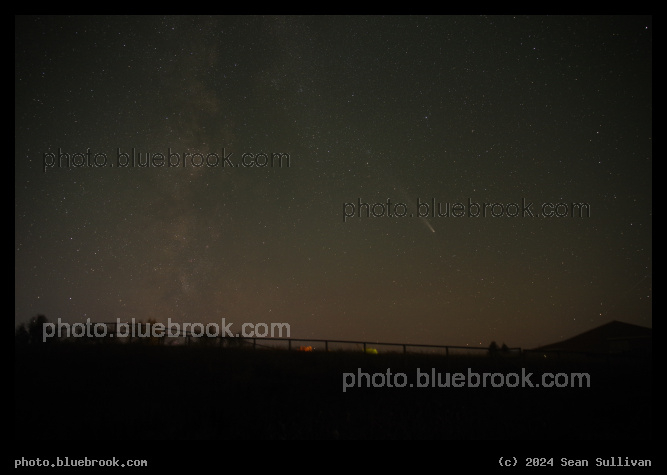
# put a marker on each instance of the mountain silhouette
(614, 337)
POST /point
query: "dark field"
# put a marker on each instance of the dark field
(151, 392)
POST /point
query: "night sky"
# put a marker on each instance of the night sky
(493, 109)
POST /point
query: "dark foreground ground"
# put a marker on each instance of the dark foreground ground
(147, 392)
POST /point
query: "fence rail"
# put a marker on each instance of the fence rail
(141, 330)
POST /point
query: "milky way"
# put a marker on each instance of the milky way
(460, 110)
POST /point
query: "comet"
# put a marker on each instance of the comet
(428, 225)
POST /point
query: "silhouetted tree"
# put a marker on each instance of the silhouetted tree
(493, 348)
(36, 330)
(504, 348)
(21, 336)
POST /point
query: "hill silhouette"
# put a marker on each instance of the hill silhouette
(614, 337)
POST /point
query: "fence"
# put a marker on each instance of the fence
(368, 347)
(292, 343)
